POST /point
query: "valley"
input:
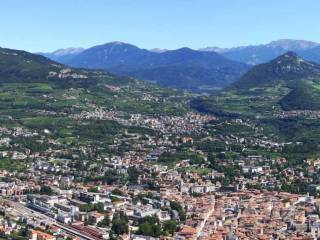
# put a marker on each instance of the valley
(159, 120)
(109, 157)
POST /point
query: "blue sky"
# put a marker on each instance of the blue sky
(45, 25)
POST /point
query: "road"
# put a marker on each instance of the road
(203, 223)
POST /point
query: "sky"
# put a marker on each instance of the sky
(47, 25)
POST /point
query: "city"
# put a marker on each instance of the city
(159, 120)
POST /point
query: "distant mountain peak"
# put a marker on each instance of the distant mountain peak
(291, 60)
(290, 54)
(291, 63)
(158, 50)
(118, 43)
(292, 44)
(185, 49)
(286, 67)
(66, 51)
(213, 49)
(289, 57)
(257, 54)
(115, 44)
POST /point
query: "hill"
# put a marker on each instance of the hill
(303, 97)
(284, 68)
(18, 66)
(285, 83)
(183, 68)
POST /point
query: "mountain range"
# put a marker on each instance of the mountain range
(182, 68)
(63, 55)
(39, 93)
(210, 68)
(263, 53)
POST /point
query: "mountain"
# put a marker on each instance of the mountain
(258, 54)
(189, 69)
(114, 56)
(182, 68)
(63, 54)
(312, 54)
(22, 67)
(292, 45)
(286, 83)
(286, 67)
(213, 49)
(17, 66)
(158, 50)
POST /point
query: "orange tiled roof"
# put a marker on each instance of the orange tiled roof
(187, 230)
(43, 234)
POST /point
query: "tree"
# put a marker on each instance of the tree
(93, 189)
(120, 224)
(104, 223)
(46, 190)
(211, 160)
(149, 226)
(133, 175)
(176, 206)
(92, 207)
(170, 227)
(117, 191)
(111, 177)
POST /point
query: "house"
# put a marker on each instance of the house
(187, 140)
(163, 216)
(252, 169)
(144, 212)
(72, 210)
(89, 197)
(97, 217)
(187, 232)
(39, 235)
(64, 217)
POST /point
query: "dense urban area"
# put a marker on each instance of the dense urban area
(192, 177)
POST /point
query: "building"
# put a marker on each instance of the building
(39, 235)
